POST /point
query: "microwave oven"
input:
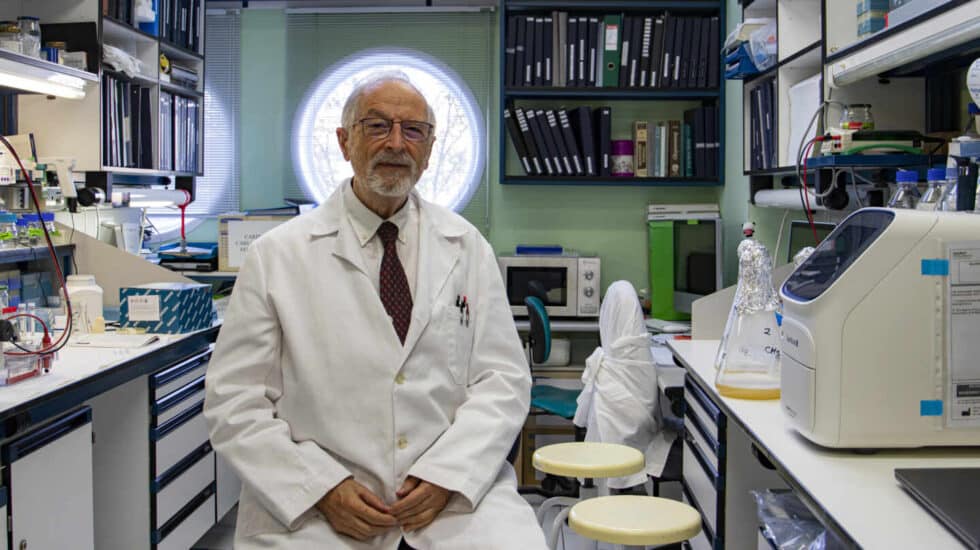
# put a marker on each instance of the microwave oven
(568, 284)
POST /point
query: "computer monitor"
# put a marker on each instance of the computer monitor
(800, 235)
(685, 263)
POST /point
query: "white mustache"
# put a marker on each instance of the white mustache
(398, 160)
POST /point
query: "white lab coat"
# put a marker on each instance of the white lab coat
(620, 400)
(309, 384)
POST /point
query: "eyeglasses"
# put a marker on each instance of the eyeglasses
(380, 128)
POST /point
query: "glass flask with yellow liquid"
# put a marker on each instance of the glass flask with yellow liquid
(748, 359)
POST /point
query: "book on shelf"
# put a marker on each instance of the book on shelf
(559, 143)
(517, 140)
(539, 54)
(561, 38)
(126, 122)
(180, 22)
(656, 51)
(179, 132)
(603, 117)
(533, 155)
(569, 136)
(538, 136)
(640, 155)
(547, 66)
(581, 117)
(516, 71)
(510, 50)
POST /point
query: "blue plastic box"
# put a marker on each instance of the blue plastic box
(871, 5)
(166, 308)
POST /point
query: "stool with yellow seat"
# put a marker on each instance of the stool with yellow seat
(634, 520)
(580, 459)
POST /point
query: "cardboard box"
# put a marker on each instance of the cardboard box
(237, 231)
(166, 308)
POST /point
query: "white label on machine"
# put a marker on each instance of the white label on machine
(963, 320)
(242, 233)
(144, 308)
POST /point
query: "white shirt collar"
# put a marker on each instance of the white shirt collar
(366, 222)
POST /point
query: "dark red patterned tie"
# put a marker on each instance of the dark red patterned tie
(395, 294)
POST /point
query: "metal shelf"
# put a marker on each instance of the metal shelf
(611, 93)
(29, 254)
(49, 67)
(771, 171)
(116, 29)
(178, 52)
(609, 182)
(180, 90)
(580, 5)
(869, 161)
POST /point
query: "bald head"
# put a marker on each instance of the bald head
(352, 109)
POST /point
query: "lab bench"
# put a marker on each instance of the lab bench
(110, 450)
(854, 495)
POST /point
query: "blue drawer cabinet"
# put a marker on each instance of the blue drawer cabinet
(182, 463)
(719, 471)
(704, 465)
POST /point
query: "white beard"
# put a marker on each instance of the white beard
(397, 184)
(392, 186)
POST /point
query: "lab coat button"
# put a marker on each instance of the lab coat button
(402, 443)
(400, 378)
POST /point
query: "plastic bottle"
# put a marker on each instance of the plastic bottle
(952, 190)
(748, 358)
(906, 193)
(86, 299)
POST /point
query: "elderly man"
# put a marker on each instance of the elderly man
(368, 381)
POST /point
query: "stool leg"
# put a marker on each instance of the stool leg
(556, 527)
(551, 503)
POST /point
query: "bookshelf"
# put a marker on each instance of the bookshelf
(127, 130)
(571, 90)
(832, 49)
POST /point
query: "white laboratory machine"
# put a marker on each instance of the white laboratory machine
(880, 334)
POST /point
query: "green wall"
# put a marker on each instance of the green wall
(608, 220)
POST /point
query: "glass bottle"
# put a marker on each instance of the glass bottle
(10, 37)
(748, 357)
(33, 229)
(952, 190)
(8, 230)
(22, 237)
(932, 199)
(30, 30)
(906, 193)
(47, 218)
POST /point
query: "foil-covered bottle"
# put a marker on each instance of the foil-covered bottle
(748, 358)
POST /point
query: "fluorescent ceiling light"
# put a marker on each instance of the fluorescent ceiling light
(897, 51)
(36, 79)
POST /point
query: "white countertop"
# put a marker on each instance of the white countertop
(72, 364)
(858, 491)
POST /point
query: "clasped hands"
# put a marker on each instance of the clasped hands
(353, 510)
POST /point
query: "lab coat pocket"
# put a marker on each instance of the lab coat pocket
(459, 340)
